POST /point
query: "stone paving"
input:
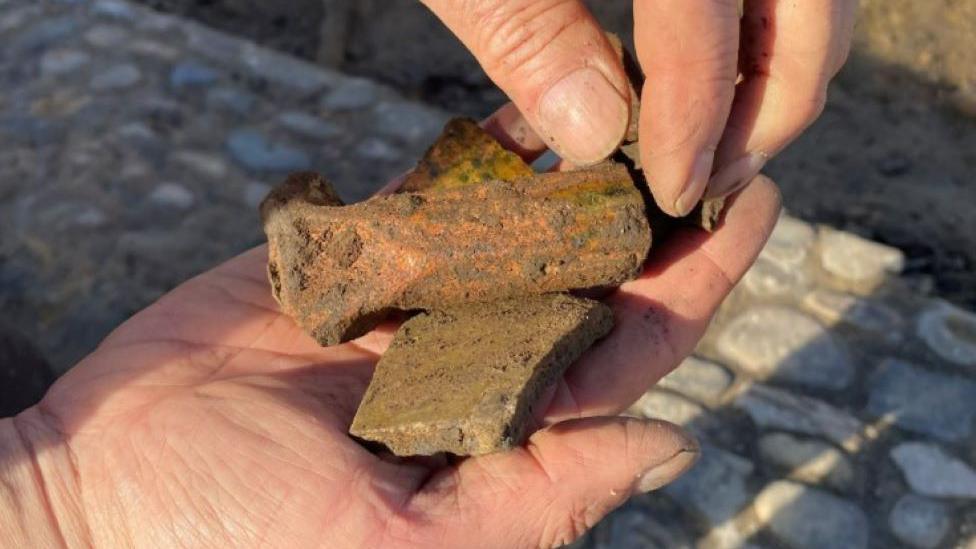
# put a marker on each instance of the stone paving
(834, 403)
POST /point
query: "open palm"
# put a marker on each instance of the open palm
(210, 419)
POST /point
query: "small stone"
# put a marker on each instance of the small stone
(919, 521)
(90, 217)
(350, 95)
(773, 408)
(715, 487)
(16, 18)
(58, 62)
(231, 99)
(466, 380)
(155, 49)
(859, 264)
(217, 46)
(285, 70)
(808, 518)
(157, 22)
(137, 131)
(790, 243)
(768, 278)
(784, 344)
(202, 163)
(950, 332)
(45, 33)
(172, 195)
(106, 36)
(836, 307)
(373, 148)
(409, 121)
(932, 472)
(191, 74)
(307, 125)
(807, 460)
(669, 407)
(115, 9)
(255, 192)
(699, 379)
(116, 78)
(253, 150)
(925, 402)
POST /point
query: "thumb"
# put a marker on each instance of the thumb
(560, 485)
(553, 60)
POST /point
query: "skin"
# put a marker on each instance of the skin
(210, 420)
(724, 93)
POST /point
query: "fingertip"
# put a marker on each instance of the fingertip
(584, 116)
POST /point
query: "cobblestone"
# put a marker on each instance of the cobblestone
(923, 401)
(116, 78)
(807, 518)
(699, 379)
(950, 333)
(716, 487)
(127, 134)
(858, 263)
(810, 461)
(773, 408)
(920, 522)
(783, 344)
(932, 472)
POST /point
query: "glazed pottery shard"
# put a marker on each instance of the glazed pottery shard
(465, 155)
(339, 270)
(465, 380)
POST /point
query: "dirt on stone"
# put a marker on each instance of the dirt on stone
(466, 380)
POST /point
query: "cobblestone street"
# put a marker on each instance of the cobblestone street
(835, 401)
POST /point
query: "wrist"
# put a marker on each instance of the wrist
(40, 503)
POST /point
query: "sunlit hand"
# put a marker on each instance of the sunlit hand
(698, 127)
(211, 420)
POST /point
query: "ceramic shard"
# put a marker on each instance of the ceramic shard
(338, 270)
(466, 380)
(465, 155)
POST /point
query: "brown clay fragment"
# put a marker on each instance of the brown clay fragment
(465, 380)
(339, 270)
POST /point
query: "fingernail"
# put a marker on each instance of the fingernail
(666, 472)
(695, 186)
(583, 117)
(736, 175)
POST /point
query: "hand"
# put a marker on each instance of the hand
(698, 128)
(210, 420)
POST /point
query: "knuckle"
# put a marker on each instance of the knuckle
(510, 35)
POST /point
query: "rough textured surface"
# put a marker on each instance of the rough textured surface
(465, 380)
(337, 270)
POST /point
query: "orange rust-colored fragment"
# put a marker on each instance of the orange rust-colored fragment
(339, 270)
(465, 155)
